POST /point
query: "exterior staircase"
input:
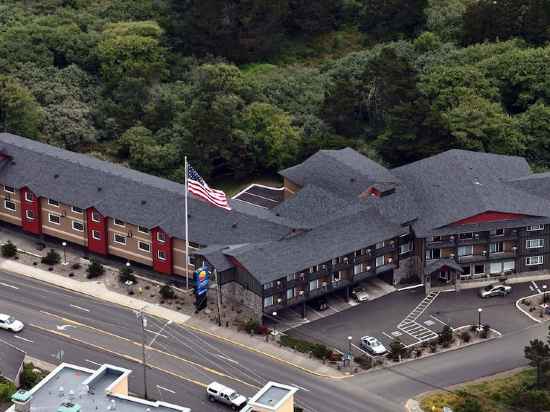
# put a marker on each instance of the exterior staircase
(411, 327)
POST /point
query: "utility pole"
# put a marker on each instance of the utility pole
(219, 297)
(143, 322)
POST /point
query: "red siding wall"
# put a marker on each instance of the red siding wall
(30, 225)
(95, 245)
(163, 266)
(489, 217)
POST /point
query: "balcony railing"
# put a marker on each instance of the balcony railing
(364, 275)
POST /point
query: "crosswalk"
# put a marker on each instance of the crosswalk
(410, 326)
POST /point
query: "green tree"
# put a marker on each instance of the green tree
(534, 125)
(311, 17)
(538, 355)
(383, 19)
(19, 111)
(446, 17)
(268, 132)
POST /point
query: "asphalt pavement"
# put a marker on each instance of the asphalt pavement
(92, 332)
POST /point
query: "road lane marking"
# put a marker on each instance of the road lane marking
(300, 387)
(155, 333)
(22, 338)
(80, 308)
(228, 359)
(92, 362)
(9, 286)
(166, 389)
(64, 327)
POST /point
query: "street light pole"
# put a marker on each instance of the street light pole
(143, 323)
(479, 310)
(544, 294)
(350, 338)
(64, 244)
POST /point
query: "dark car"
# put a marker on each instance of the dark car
(320, 304)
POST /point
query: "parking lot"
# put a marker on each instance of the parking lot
(411, 317)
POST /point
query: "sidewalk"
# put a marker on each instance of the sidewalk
(99, 290)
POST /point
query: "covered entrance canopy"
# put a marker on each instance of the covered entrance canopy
(442, 271)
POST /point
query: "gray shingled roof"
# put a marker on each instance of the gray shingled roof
(458, 184)
(126, 194)
(273, 260)
(11, 360)
(438, 264)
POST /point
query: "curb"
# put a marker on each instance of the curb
(524, 311)
(182, 324)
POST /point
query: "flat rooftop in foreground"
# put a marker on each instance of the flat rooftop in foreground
(272, 397)
(75, 389)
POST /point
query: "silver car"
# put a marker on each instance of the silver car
(494, 290)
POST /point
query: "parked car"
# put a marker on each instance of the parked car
(373, 345)
(495, 290)
(217, 392)
(10, 323)
(360, 294)
(319, 304)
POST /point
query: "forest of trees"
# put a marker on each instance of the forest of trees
(246, 87)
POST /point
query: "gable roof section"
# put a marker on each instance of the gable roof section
(458, 184)
(126, 194)
(11, 361)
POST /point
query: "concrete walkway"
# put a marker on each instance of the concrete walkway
(98, 290)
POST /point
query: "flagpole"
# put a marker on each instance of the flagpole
(186, 229)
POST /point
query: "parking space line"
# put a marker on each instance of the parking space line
(536, 286)
(439, 320)
(391, 337)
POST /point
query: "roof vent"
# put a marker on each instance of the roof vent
(234, 225)
(55, 176)
(69, 407)
(277, 214)
(99, 189)
(143, 202)
(13, 162)
(352, 179)
(379, 190)
(476, 181)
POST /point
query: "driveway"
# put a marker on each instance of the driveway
(382, 317)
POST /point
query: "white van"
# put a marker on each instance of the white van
(220, 393)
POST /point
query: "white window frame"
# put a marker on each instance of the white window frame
(480, 273)
(463, 248)
(77, 221)
(533, 228)
(78, 210)
(163, 240)
(143, 229)
(380, 245)
(268, 301)
(94, 232)
(530, 260)
(119, 242)
(383, 261)
(461, 236)
(140, 243)
(119, 224)
(94, 213)
(29, 194)
(53, 202)
(534, 243)
(495, 267)
(315, 282)
(402, 249)
(27, 214)
(508, 266)
(290, 293)
(57, 216)
(6, 202)
(498, 234)
(159, 255)
(290, 277)
(9, 189)
(496, 243)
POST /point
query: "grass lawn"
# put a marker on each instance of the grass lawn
(232, 187)
(493, 394)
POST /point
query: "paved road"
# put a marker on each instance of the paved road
(185, 360)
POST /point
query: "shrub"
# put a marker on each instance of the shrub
(95, 269)
(76, 266)
(363, 361)
(125, 274)
(446, 336)
(262, 330)
(526, 302)
(29, 376)
(52, 258)
(473, 328)
(9, 250)
(469, 405)
(433, 347)
(465, 336)
(418, 352)
(251, 325)
(7, 389)
(396, 350)
(167, 292)
(485, 332)
(318, 350)
(533, 400)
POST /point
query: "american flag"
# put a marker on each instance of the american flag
(198, 187)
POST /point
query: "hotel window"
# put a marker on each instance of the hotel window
(53, 218)
(161, 254)
(433, 254)
(96, 217)
(357, 269)
(143, 229)
(268, 285)
(78, 226)
(268, 301)
(497, 232)
(534, 227)
(496, 247)
(534, 260)
(337, 276)
(479, 269)
(466, 236)
(8, 204)
(380, 245)
(29, 197)
(96, 234)
(290, 293)
(121, 239)
(52, 202)
(30, 214)
(314, 284)
(508, 266)
(465, 250)
(535, 243)
(118, 222)
(144, 246)
(9, 189)
(405, 248)
(495, 267)
(77, 209)
(379, 261)
(161, 237)
(467, 270)
(290, 277)
(436, 238)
